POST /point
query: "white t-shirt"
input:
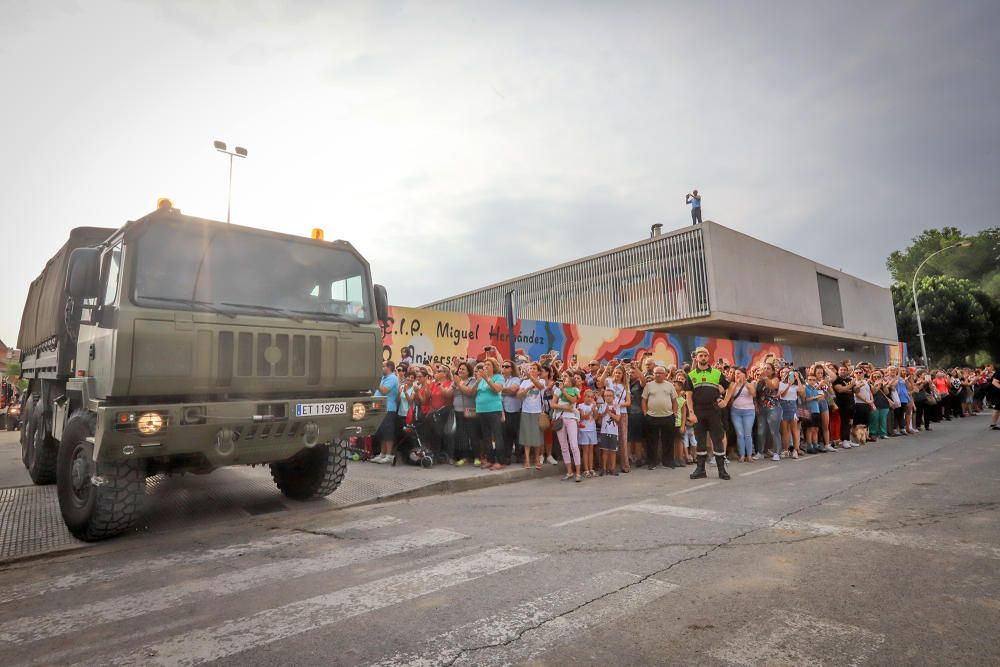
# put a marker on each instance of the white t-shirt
(788, 392)
(588, 416)
(864, 395)
(511, 403)
(608, 425)
(532, 403)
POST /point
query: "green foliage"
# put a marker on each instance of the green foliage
(958, 291)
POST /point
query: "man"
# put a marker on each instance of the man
(659, 404)
(386, 434)
(707, 391)
(694, 199)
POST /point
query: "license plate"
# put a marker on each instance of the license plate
(320, 409)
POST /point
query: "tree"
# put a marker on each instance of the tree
(979, 263)
(954, 314)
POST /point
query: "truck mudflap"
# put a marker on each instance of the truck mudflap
(233, 432)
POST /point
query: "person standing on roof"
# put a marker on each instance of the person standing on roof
(694, 199)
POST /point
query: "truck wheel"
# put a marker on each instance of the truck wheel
(97, 499)
(312, 473)
(38, 449)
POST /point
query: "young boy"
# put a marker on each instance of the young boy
(608, 440)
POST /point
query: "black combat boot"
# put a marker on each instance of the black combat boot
(720, 463)
(699, 471)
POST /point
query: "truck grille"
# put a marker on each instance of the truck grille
(264, 355)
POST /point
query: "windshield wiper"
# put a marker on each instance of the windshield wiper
(211, 307)
(329, 316)
(271, 309)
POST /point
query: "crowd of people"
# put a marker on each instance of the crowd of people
(494, 412)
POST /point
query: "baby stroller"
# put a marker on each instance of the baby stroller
(412, 450)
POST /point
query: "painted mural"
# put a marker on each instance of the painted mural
(438, 336)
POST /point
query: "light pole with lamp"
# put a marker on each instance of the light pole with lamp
(916, 307)
(238, 151)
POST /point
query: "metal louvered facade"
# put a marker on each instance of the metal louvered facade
(659, 280)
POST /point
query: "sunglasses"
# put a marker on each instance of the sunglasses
(507, 366)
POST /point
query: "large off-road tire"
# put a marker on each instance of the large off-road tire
(38, 449)
(97, 499)
(312, 473)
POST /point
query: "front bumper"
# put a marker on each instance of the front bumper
(231, 432)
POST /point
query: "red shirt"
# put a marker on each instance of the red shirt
(437, 401)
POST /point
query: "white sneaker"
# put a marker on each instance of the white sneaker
(846, 445)
(776, 457)
(829, 448)
(757, 457)
(711, 461)
(382, 458)
(549, 459)
(795, 454)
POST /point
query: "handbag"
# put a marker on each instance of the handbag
(932, 397)
(557, 424)
(544, 422)
(804, 414)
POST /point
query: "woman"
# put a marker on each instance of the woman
(511, 408)
(564, 399)
(922, 389)
(768, 401)
(548, 376)
(466, 421)
(633, 424)
(437, 397)
(864, 402)
(878, 422)
(823, 384)
(489, 408)
(530, 433)
(790, 390)
(618, 384)
(902, 396)
(743, 413)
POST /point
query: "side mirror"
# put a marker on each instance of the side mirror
(83, 279)
(381, 303)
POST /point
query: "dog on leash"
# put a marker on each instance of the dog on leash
(859, 434)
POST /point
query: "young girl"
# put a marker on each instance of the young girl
(588, 432)
(812, 399)
(564, 400)
(610, 419)
(688, 443)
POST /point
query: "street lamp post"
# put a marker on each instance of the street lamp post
(238, 151)
(916, 306)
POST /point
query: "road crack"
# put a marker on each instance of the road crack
(713, 547)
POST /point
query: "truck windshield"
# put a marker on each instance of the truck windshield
(180, 264)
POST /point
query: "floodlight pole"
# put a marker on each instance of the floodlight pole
(239, 151)
(916, 306)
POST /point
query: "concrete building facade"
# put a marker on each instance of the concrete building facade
(705, 280)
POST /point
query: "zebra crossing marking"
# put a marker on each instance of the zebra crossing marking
(293, 619)
(34, 628)
(77, 579)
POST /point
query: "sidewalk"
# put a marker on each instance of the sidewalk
(30, 523)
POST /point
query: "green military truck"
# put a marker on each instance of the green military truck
(178, 344)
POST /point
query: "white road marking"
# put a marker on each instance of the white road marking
(34, 628)
(562, 629)
(187, 558)
(974, 549)
(272, 625)
(597, 514)
(506, 625)
(781, 642)
(692, 488)
(754, 472)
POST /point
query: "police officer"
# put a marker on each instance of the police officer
(707, 391)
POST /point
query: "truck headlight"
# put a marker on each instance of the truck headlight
(358, 411)
(149, 423)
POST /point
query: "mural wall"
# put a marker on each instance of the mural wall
(438, 336)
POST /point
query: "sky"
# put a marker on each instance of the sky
(456, 144)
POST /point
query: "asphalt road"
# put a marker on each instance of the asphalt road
(884, 555)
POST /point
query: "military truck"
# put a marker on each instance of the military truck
(178, 344)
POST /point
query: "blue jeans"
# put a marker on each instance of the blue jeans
(743, 423)
(769, 421)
